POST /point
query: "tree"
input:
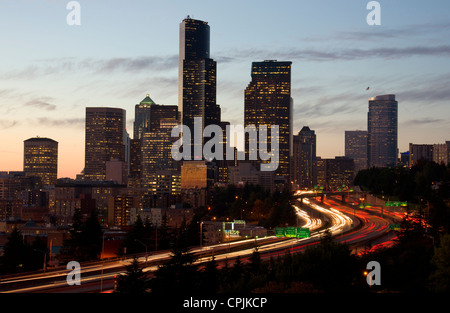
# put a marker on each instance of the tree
(85, 241)
(440, 278)
(135, 238)
(134, 281)
(179, 273)
(14, 255)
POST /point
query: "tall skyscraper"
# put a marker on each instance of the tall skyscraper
(156, 152)
(304, 158)
(105, 140)
(356, 148)
(197, 79)
(148, 115)
(152, 140)
(268, 102)
(382, 131)
(41, 159)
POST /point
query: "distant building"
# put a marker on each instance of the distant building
(441, 153)
(418, 152)
(148, 116)
(246, 173)
(197, 175)
(303, 164)
(41, 159)
(268, 102)
(197, 80)
(120, 209)
(105, 140)
(335, 174)
(382, 131)
(356, 148)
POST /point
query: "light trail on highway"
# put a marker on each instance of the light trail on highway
(341, 223)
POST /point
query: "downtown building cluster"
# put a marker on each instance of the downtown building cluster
(124, 177)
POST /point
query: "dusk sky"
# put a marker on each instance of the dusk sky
(50, 71)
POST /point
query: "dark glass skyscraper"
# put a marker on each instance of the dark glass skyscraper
(152, 140)
(268, 102)
(197, 78)
(356, 148)
(382, 131)
(105, 140)
(304, 158)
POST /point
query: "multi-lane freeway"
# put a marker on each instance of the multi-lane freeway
(358, 228)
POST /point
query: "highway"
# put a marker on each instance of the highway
(358, 228)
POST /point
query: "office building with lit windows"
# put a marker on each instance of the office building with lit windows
(197, 80)
(382, 131)
(41, 159)
(268, 102)
(156, 152)
(105, 140)
(356, 148)
(148, 115)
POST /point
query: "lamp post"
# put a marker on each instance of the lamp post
(146, 251)
(201, 234)
(101, 257)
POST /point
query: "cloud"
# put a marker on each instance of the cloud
(343, 54)
(424, 121)
(5, 124)
(42, 103)
(63, 66)
(64, 122)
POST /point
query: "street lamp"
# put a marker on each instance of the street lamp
(146, 251)
(201, 234)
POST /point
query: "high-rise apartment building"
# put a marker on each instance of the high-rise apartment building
(105, 140)
(356, 148)
(382, 131)
(197, 80)
(41, 159)
(304, 158)
(268, 102)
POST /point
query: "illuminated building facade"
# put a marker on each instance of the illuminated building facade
(382, 131)
(105, 140)
(268, 102)
(41, 159)
(148, 115)
(197, 79)
(156, 152)
(356, 148)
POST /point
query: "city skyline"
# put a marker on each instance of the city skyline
(339, 62)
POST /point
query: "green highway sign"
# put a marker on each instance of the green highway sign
(291, 232)
(280, 232)
(396, 203)
(394, 227)
(303, 232)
